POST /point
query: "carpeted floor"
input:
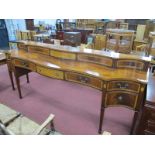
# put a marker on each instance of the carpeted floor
(76, 107)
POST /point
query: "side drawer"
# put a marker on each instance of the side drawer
(37, 49)
(134, 64)
(21, 46)
(83, 79)
(121, 98)
(63, 55)
(50, 72)
(95, 59)
(126, 85)
(25, 64)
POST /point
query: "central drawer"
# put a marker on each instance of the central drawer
(127, 85)
(63, 55)
(37, 49)
(96, 59)
(83, 79)
(25, 64)
(50, 72)
(121, 98)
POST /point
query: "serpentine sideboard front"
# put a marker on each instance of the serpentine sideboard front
(121, 78)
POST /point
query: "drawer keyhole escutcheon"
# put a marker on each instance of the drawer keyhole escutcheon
(122, 85)
(120, 98)
(83, 79)
(25, 64)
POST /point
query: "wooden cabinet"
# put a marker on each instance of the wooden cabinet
(29, 24)
(84, 79)
(72, 38)
(60, 35)
(84, 33)
(119, 40)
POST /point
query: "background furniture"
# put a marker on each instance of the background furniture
(72, 38)
(59, 35)
(12, 122)
(41, 37)
(25, 35)
(119, 40)
(123, 26)
(151, 50)
(29, 24)
(134, 22)
(96, 41)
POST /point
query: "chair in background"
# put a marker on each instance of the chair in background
(12, 122)
(142, 48)
(139, 42)
(140, 32)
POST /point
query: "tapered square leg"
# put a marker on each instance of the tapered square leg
(27, 77)
(11, 78)
(133, 123)
(101, 120)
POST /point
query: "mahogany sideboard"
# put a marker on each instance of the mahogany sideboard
(121, 78)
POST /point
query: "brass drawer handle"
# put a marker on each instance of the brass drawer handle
(122, 85)
(83, 79)
(25, 64)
